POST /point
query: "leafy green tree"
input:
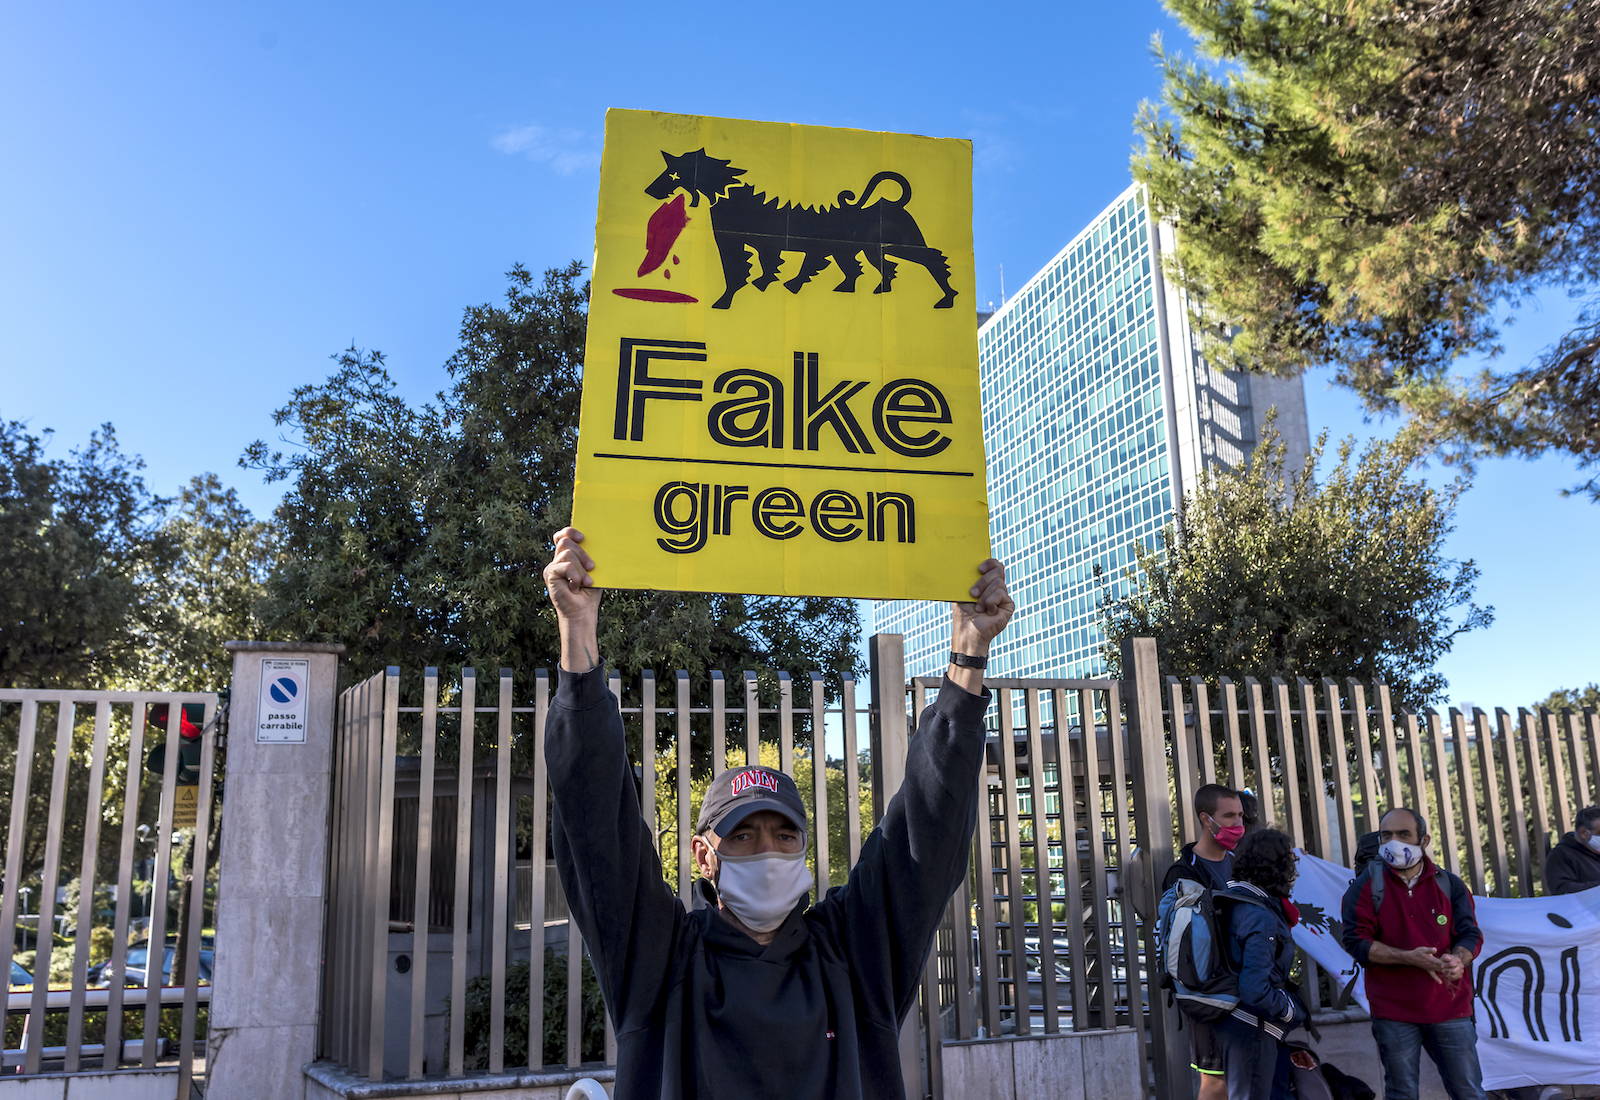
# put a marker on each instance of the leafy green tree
(1285, 575)
(83, 555)
(1369, 185)
(417, 535)
(1587, 698)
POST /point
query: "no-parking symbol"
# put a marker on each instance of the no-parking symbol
(282, 714)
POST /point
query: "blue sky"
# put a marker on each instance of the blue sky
(200, 203)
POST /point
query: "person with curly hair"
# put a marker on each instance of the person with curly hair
(1255, 1063)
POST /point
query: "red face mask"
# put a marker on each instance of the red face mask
(1227, 836)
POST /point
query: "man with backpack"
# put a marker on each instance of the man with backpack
(1219, 813)
(1414, 928)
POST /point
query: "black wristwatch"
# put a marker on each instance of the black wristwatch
(966, 661)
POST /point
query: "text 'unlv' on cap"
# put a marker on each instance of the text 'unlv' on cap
(739, 792)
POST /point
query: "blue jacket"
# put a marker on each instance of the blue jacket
(1261, 949)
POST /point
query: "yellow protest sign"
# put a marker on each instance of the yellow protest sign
(781, 378)
(185, 806)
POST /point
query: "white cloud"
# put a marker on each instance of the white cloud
(566, 151)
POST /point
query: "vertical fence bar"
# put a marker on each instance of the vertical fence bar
(819, 781)
(1043, 879)
(961, 958)
(1580, 770)
(1097, 856)
(1418, 777)
(1491, 797)
(988, 917)
(1202, 729)
(852, 771)
(1558, 772)
(1127, 874)
(458, 928)
(574, 995)
(647, 756)
(378, 880)
(1077, 957)
(1441, 778)
(785, 724)
(1016, 911)
(1469, 799)
(119, 927)
(86, 882)
(503, 855)
(719, 723)
(1146, 776)
(1182, 756)
(188, 1045)
(1391, 756)
(420, 900)
(752, 720)
(1265, 788)
(22, 774)
(1592, 718)
(1519, 814)
(1316, 787)
(52, 874)
(1340, 760)
(685, 864)
(336, 1005)
(1230, 732)
(1541, 806)
(1361, 732)
(538, 841)
(157, 937)
(1283, 718)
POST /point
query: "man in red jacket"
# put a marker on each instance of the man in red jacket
(1413, 926)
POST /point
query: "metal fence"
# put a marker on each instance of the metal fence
(83, 772)
(402, 872)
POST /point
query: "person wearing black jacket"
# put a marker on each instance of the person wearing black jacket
(1573, 865)
(717, 1001)
(1255, 1064)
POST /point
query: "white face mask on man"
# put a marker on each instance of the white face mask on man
(761, 890)
(1594, 841)
(1400, 855)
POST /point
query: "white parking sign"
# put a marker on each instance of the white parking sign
(282, 714)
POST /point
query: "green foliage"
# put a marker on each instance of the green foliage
(1366, 185)
(1586, 698)
(418, 535)
(476, 1025)
(82, 554)
(1287, 576)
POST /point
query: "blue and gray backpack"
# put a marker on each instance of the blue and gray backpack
(1192, 948)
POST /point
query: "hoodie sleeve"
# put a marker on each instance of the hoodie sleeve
(1359, 922)
(1257, 934)
(885, 916)
(609, 869)
(1464, 912)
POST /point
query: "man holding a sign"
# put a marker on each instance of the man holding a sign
(753, 992)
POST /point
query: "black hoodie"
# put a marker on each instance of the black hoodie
(1571, 866)
(702, 1010)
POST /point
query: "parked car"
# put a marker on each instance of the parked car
(20, 977)
(137, 963)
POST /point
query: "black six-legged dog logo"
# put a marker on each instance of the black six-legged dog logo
(882, 231)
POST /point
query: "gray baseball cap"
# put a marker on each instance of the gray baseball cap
(739, 792)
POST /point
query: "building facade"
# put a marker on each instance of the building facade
(1099, 413)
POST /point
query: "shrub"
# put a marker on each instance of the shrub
(476, 1025)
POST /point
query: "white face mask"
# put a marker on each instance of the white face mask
(1400, 855)
(761, 890)
(1594, 841)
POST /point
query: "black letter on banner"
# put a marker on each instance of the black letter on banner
(691, 532)
(722, 498)
(635, 386)
(910, 401)
(764, 406)
(905, 516)
(777, 504)
(832, 504)
(810, 413)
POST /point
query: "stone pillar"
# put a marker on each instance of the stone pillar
(266, 998)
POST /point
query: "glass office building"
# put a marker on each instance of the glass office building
(1098, 415)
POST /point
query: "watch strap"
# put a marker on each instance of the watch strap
(967, 661)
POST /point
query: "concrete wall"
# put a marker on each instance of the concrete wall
(273, 872)
(1102, 1065)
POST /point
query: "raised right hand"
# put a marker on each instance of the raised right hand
(567, 578)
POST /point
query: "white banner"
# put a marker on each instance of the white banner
(1538, 1018)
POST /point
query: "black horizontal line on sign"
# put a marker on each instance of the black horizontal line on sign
(787, 465)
